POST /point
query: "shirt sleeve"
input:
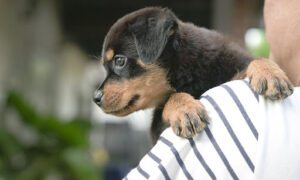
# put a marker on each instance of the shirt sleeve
(226, 149)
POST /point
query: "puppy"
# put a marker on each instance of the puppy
(153, 59)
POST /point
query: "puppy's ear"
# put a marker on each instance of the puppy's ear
(151, 36)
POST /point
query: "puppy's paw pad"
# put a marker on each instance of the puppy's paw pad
(185, 114)
(269, 80)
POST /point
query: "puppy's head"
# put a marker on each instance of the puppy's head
(131, 52)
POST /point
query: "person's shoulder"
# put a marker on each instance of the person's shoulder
(231, 132)
(234, 88)
(234, 103)
(237, 93)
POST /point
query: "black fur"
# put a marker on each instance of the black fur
(201, 59)
(151, 36)
(158, 126)
(195, 58)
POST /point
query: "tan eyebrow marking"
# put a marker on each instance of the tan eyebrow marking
(139, 61)
(171, 32)
(109, 54)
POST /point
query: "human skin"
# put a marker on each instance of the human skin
(282, 19)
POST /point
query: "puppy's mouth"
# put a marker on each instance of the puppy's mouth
(129, 104)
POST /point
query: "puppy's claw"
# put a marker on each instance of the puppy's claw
(185, 114)
(189, 132)
(176, 128)
(204, 117)
(197, 127)
(290, 87)
(263, 86)
(195, 124)
(178, 131)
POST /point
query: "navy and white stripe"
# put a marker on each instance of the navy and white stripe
(230, 131)
(250, 87)
(226, 148)
(201, 159)
(220, 153)
(242, 109)
(177, 156)
(142, 172)
(161, 167)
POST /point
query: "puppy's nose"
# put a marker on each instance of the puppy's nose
(98, 97)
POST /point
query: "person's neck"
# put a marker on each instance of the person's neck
(291, 67)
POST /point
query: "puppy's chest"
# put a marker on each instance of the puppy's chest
(187, 76)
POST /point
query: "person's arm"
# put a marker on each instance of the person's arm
(282, 20)
(225, 150)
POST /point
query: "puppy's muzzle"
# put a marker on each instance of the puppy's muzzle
(98, 97)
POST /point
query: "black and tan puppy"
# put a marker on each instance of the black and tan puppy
(153, 59)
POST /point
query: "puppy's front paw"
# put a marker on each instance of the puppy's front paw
(268, 79)
(185, 114)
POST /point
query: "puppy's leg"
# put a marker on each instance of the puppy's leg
(268, 79)
(185, 115)
(158, 125)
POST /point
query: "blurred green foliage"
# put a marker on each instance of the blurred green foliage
(60, 152)
(262, 48)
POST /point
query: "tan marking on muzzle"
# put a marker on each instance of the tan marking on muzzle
(152, 87)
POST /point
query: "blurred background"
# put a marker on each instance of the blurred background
(49, 127)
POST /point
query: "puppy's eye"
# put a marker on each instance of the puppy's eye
(120, 61)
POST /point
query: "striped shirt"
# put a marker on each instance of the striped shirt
(248, 137)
